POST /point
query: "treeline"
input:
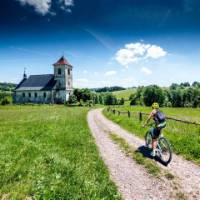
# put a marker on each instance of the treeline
(109, 89)
(7, 87)
(177, 95)
(87, 97)
(6, 90)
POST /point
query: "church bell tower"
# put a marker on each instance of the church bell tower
(63, 77)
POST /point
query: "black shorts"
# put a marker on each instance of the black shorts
(155, 132)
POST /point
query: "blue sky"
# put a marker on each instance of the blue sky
(109, 42)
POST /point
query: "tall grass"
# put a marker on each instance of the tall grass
(47, 152)
(184, 138)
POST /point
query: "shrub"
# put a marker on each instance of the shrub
(5, 101)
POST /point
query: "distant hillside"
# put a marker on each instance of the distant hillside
(7, 87)
(124, 93)
(108, 89)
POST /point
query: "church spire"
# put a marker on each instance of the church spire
(25, 75)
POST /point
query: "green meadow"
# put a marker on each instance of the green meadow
(47, 152)
(124, 93)
(184, 138)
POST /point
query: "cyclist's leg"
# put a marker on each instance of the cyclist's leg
(155, 134)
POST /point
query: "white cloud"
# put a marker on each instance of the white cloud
(66, 4)
(41, 6)
(110, 73)
(134, 52)
(146, 71)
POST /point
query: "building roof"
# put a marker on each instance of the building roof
(37, 82)
(62, 61)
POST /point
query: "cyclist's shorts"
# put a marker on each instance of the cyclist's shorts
(155, 132)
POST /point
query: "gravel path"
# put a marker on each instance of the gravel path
(132, 179)
(188, 174)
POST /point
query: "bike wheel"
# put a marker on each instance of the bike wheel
(165, 150)
(148, 139)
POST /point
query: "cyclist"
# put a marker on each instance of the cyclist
(160, 123)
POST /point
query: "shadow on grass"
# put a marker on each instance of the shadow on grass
(146, 152)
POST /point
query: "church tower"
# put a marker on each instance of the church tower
(63, 77)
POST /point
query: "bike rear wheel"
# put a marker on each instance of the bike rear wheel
(165, 150)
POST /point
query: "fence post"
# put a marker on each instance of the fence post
(129, 114)
(114, 111)
(140, 116)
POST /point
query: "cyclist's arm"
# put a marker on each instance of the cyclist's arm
(151, 115)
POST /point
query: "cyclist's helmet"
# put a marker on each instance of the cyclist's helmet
(155, 105)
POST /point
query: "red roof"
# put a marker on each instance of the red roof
(62, 61)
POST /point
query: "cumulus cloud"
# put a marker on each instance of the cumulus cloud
(134, 52)
(146, 71)
(110, 73)
(66, 4)
(43, 6)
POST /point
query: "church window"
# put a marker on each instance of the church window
(59, 71)
(29, 94)
(35, 95)
(68, 71)
(45, 95)
(23, 95)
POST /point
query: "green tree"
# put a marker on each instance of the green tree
(110, 99)
(72, 99)
(152, 94)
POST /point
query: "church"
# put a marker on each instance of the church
(46, 88)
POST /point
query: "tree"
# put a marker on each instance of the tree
(176, 98)
(121, 101)
(152, 94)
(196, 84)
(72, 99)
(110, 99)
(174, 86)
(185, 84)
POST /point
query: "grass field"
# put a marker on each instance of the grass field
(124, 93)
(185, 139)
(47, 152)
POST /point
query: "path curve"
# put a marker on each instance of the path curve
(131, 179)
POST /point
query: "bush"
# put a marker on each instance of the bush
(5, 101)
(72, 99)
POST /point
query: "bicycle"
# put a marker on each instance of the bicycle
(163, 149)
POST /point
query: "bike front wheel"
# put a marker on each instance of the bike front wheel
(165, 150)
(148, 140)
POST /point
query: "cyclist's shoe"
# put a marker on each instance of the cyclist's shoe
(153, 153)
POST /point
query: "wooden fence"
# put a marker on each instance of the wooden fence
(141, 114)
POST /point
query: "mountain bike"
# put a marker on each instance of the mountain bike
(163, 149)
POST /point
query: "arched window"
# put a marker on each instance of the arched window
(23, 95)
(68, 71)
(35, 95)
(29, 94)
(59, 71)
(45, 95)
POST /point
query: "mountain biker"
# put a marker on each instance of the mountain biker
(160, 123)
